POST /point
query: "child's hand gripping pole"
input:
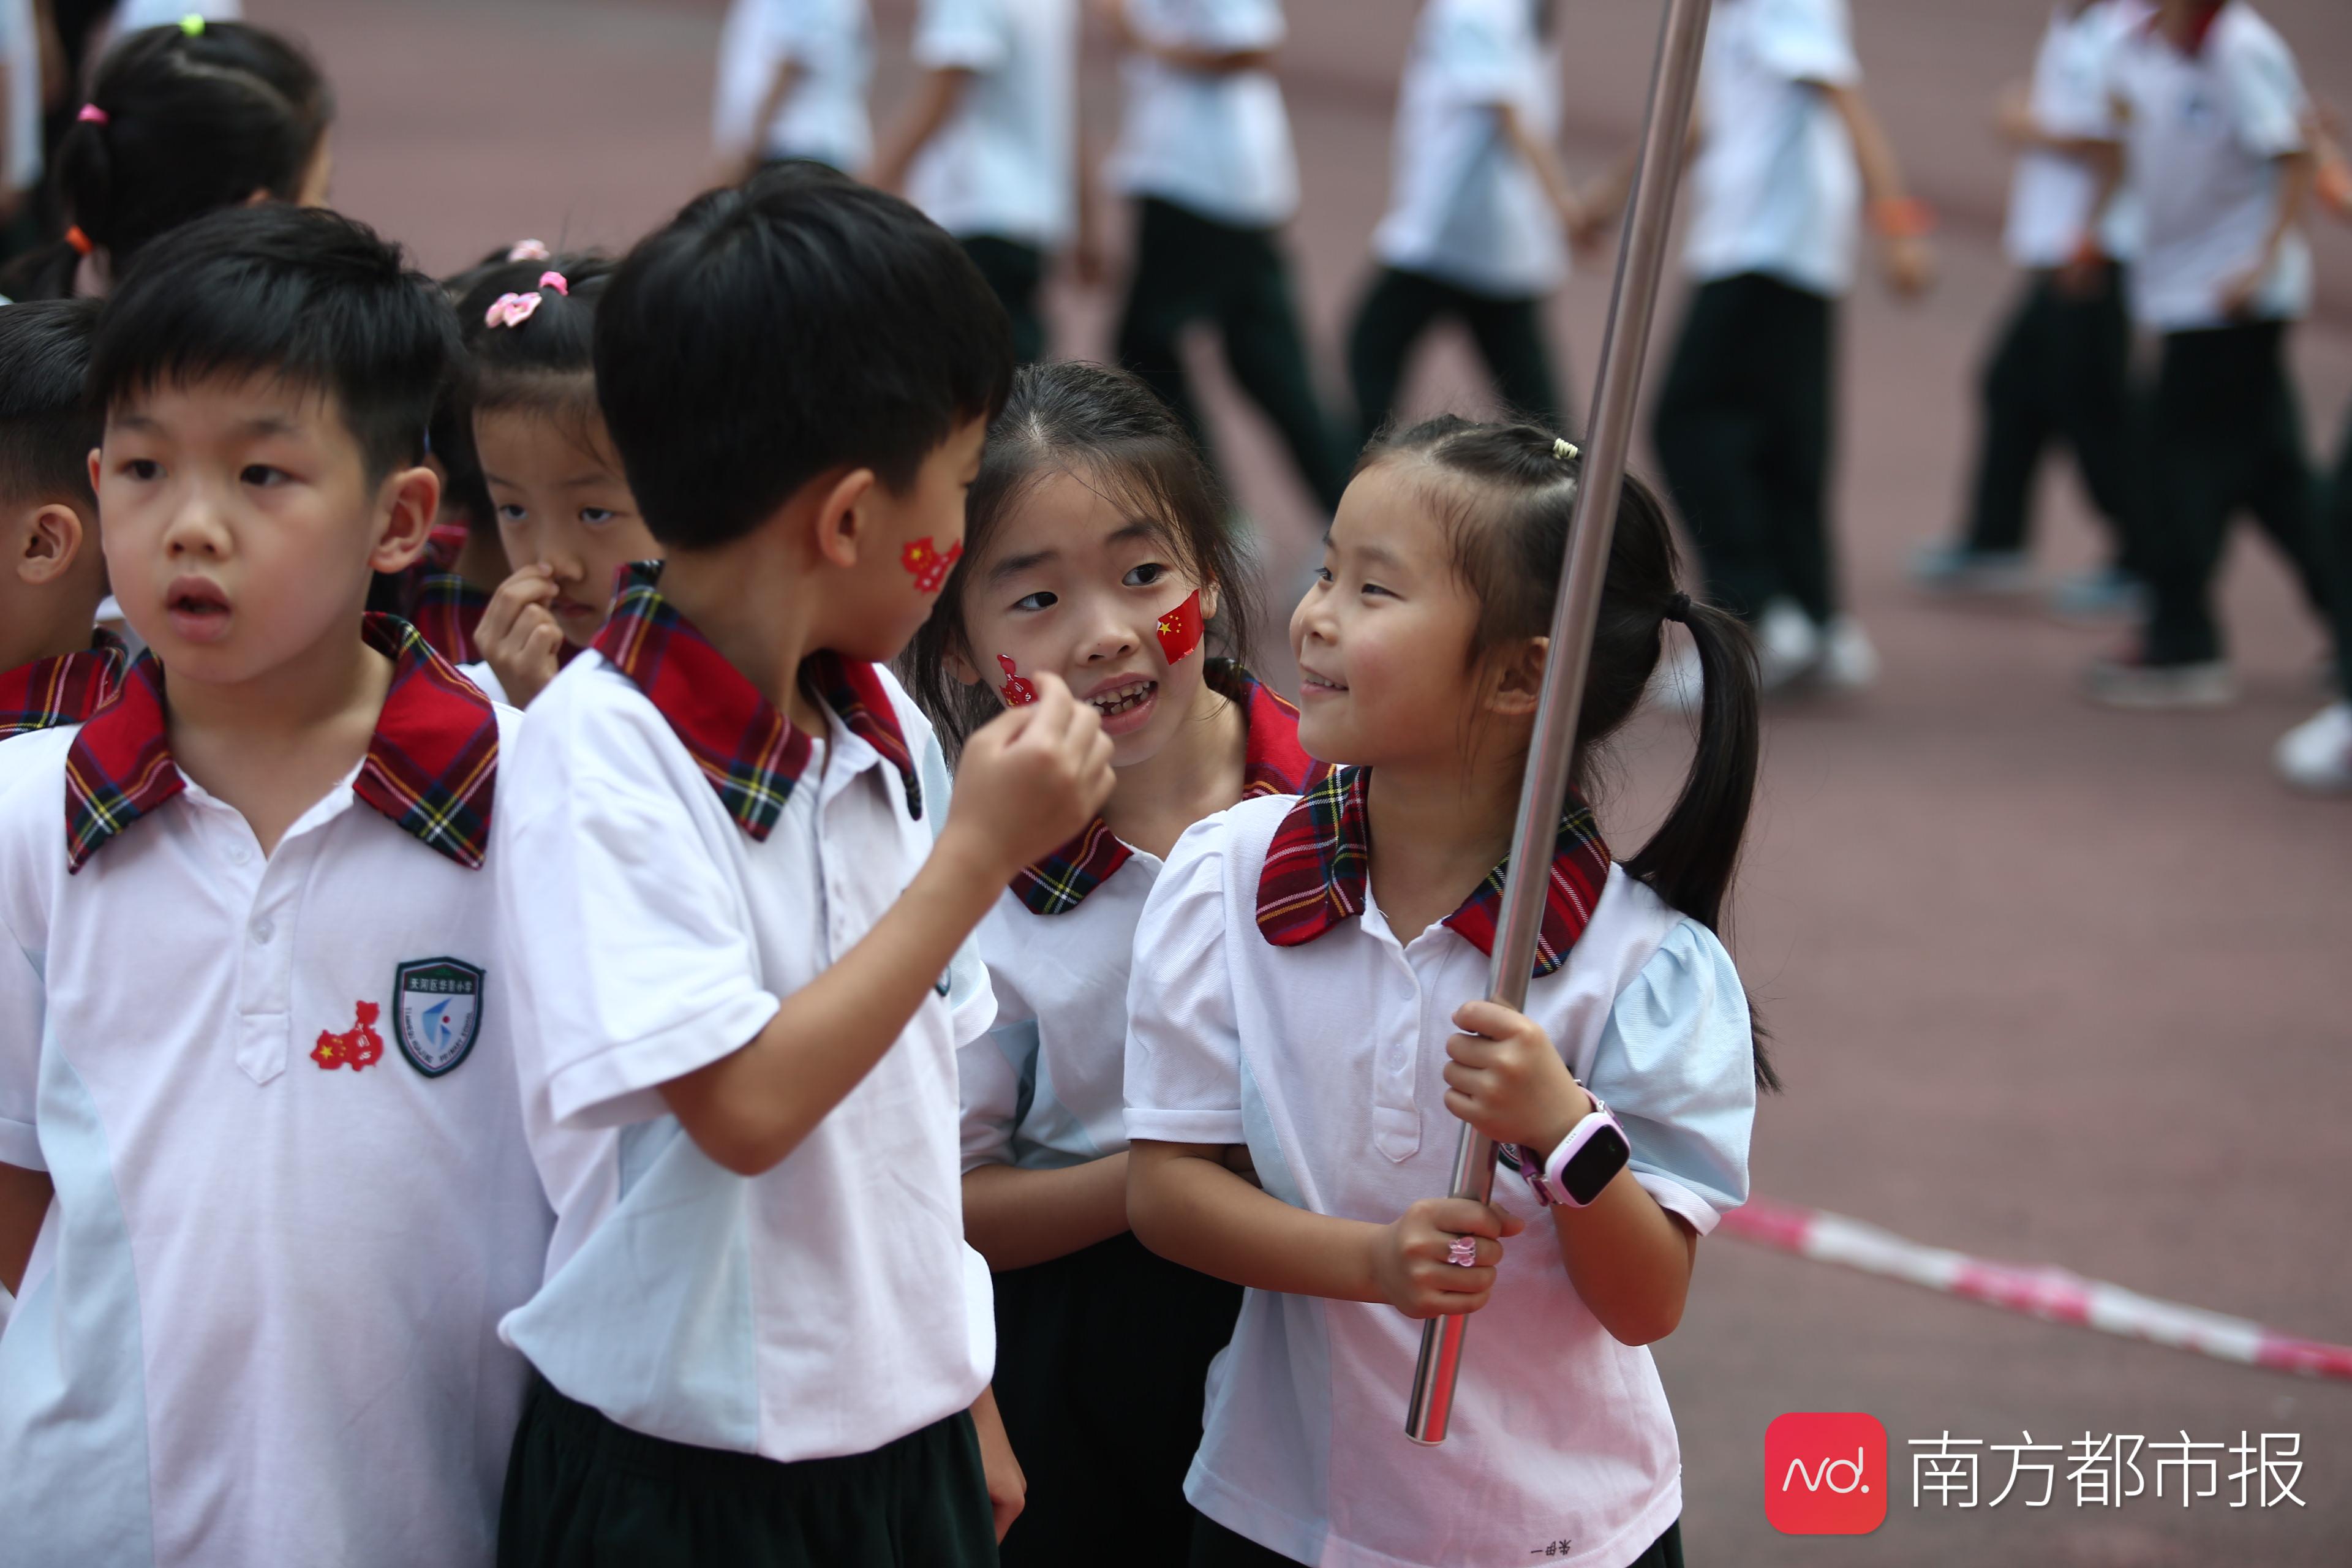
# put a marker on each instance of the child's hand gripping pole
(1674, 84)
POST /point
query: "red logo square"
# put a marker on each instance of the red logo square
(1825, 1473)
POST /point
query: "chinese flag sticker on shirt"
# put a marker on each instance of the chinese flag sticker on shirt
(357, 1047)
(1179, 628)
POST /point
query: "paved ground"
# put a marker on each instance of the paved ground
(2048, 983)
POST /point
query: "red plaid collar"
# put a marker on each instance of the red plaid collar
(1320, 861)
(431, 765)
(64, 689)
(752, 754)
(1273, 763)
(442, 605)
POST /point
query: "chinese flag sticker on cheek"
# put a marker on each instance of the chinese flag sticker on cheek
(357, 1047)
(1179, 628)
(929, 564)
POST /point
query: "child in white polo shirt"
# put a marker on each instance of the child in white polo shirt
(989, 149)
(1788, 152)
(1205, 151)
(760, 1330)
(2217, 159)
(2057, 374)
(54, 669)
(792, 78)
(254, 1012)
(1097, 552)
(1299, 967)
(1478, 206)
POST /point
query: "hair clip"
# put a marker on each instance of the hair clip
(193, 24)
(79, 240)
(91, 114)
(527, 250)
(555, 280)
(510, 310)
(1565, 450)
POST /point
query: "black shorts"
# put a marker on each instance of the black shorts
(583, 1489)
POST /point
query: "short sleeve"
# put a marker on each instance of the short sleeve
(797, 29)
(620, 914)
(31, 823)
(2267, 104)
(994, 1075)
(1677, 1066)
(1183, 1046)
(1809, 41)
(962, 35)
(22, 1010)
(1477, 54)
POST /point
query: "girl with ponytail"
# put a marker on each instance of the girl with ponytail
(1299, 991)
(180, 119)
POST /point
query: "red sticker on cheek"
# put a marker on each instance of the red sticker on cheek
(1180, 628)
(929, 564)
(1016, 691)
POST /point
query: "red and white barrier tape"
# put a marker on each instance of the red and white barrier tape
(2042, 1291)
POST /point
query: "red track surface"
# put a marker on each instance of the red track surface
(2048, 983)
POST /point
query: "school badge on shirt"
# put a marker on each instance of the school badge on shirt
(436, 1010)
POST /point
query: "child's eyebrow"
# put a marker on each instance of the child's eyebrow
(1013, 566)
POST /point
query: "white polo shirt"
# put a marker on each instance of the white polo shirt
(1463, 207)
(1775, 188)
(276, 1095)
(823, 116)
(1005, 163)
(1215, 145)
(829, 1305)
(20, 42)
(2050, 197)
(1325, 1058)
(1043, 1088)
(2202, 134)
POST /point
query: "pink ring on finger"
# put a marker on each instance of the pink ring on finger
(1462, 1252)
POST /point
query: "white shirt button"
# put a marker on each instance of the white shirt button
(263, 930)
(238, 854)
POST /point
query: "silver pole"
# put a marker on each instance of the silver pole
(1674, 84)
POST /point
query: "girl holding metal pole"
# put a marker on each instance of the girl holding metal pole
(1297, 992)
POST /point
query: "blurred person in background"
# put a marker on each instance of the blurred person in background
(22, 67)
(1478, 207)
(989, 149)
(181, 121)
(2058, 374)
(792, 78)
(1786, 153)
(2217, 159)
(1205, 150)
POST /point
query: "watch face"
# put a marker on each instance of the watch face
(1591, 1168)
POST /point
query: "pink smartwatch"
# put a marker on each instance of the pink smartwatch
(1587, 1159)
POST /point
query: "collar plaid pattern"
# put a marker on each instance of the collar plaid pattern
(431, 766)
(445, 608)
(63, 689)
(1273, 763)
(1321, 860)
(752, 755)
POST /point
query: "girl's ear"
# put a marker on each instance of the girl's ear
(1515, 683)
(962, 669)
(1209, 600)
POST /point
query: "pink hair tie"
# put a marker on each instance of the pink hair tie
(510, 310)
(555, 280)
(91, 114)
(527, 250)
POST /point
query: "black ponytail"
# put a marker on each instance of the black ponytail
(185, 122)
(1506, 497)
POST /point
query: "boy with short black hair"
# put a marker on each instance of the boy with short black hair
(54, 669)
(253, 1029)
(761, 1331)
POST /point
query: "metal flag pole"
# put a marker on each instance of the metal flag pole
(1673, 83)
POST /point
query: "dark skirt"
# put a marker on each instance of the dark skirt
(1101, 1362)
(581, 1490)
(1214, 1546)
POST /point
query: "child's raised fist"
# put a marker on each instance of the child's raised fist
(1032, 778)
